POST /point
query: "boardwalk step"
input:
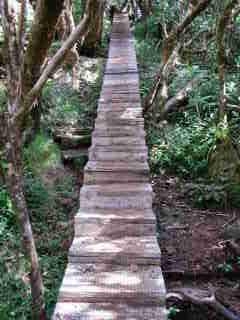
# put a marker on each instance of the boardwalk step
(120, 114)
(100, 177)
(119, 148)
(110, 196)
(128, 216)
(111, 166)
(103, 155)
(108, 311)
(103, 141)
(113, 230)
(103, 282)
(123, 250)
(118, 132)
(120, 122)
(99, 172)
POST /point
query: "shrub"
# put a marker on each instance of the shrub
(41, 154)
(183, 150)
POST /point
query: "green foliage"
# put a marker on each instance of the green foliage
(182, 150)
(50, 217)
(172, 312)
(77, 10)
(14, 291)
(37, 196)
(205, 194)
(6, 212)
(64, 107)
(3, 98)
(61, 104)
(238, 262)
(225, 267)
(214, 193)
(41, 154)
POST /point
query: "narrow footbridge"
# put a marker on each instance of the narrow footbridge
(113, 270)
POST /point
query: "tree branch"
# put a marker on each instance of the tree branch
(179, 99)
(170, 44)
(202, 297)
(51, 67)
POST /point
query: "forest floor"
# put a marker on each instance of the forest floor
(193, 251)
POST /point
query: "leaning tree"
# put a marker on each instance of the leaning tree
(25, 57)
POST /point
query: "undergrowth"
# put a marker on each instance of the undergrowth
(51, 208)
(183, 142)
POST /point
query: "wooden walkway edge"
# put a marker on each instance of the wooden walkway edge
(113, 270)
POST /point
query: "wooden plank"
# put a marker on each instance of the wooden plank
(145, 216)
(120, 114)
(116, 165)
(120, 122)
(126, 156)
(123, 141)
(116, 197)
(119, 132)
(117, 148)
(112, 230)
(103, 282)
(100, 177)
(123, 251)
(108, 311)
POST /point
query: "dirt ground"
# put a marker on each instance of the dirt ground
(193, 248)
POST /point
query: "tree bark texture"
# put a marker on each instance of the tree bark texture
(15, 186)
(93, 36)
(222, 25)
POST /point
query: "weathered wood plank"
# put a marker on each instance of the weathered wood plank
(108, 311)
(124, 196)
(98, 283)
(128, 216)
(124, 250)
(112, 229)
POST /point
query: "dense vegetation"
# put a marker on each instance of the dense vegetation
(192, 121)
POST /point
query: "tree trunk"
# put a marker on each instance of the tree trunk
(93, 37)
(23, 90)
(46, 17)
(15, 187)
(223, 23)
(65, 24)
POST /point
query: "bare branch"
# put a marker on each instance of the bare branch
(170, 44)
(202, 297)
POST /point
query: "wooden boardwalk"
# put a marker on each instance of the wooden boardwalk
(114, 270)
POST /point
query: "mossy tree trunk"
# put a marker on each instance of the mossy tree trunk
(224, 160)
